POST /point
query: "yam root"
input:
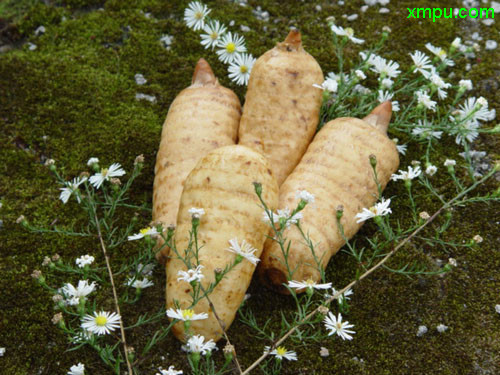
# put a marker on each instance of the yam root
(281, 111)
(336, 169)
(222, 185)
(203, 117)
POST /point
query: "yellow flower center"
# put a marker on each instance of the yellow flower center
(214, 35)
(187, 314)
(339, 325)
(373, 210)
(101, 320)
(310, 283)
(349, 31)
(281, 350)
(442, 53)
(145, 230)
(104, 172)
(243, 69)
(198, 15)
(231, 47)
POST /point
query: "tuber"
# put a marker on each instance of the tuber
(220, 190)
(281, 110)
(337, 170)
(203, 117)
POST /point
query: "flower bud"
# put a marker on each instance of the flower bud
(340, 211)
(258, 188)
(139, 159)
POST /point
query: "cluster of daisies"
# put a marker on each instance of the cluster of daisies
(463, 121)
(101, 175)
(229, 46)
(97, 323)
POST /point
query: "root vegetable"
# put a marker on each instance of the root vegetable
(336, 169)
(203, 117)
(282, 107)
(222, 185)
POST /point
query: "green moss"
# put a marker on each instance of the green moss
(74, 97)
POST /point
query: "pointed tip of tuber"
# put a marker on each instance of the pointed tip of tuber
(294, 39)
(203, 73)
(380, 116)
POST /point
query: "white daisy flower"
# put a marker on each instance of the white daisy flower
(280, 352)
(334, 77)
(73, 294)
(92, 161)
(387, 83)
(361, 76)
(245, 250)
(402, 149)
(305, 196)
(497, 308)
(340, 298)
(229, 46)
(82, 336)
(309, 283)
(465, 84)
(185, 315)
(78, 369)
(2, 352)
(84, 260)
(213, 31)
(348, 32)
(370, 59)
(385, 68)
(145, 269)
(191, 274)
(240, 68)
(475, 110)
(101, 323)
(431, 170)
(335, 325)
(328, 84)
(196, 213)
(196, 344)
(195, 14)
(143, 233)
(384, 96)
(421, 61)
(441, 53)
(466, 132)
(408, 175)
(285, 214)
(114, 170)
(449, 163)
(139, 284)
(438, 82)
(380, 209)
(425, 100)
(424, 131)
(457, 42)
(171, 371)
(71, 187)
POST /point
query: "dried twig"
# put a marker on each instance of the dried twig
(115, 296)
